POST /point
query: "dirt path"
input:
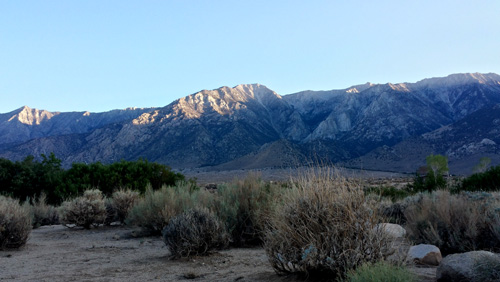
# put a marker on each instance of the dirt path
(56, 253)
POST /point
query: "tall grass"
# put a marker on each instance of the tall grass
(43, 213)
(324, 227)
(243, 206)
(455, 223)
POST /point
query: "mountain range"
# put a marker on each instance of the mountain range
(370, 126)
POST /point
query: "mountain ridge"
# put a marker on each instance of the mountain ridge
(213, 127)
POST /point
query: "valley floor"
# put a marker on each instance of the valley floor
(56, 253)
(205, 176)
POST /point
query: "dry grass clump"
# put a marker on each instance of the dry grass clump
(324, 228)
(42, 213)
(15, 223)
(195, 232)
(455, 223)
(243, 206)
(154, 211)
(122, 202)
(86, 211)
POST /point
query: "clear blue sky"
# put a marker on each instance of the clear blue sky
(103, 55)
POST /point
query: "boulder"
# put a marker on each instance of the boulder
(462, 267)
(424, 254)
(392, 230)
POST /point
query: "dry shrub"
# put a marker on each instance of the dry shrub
(455, 223)
(154, 211)
(243, 206)
(15, 223)
(86, 211)
(324, 228)
(121, 202)
(42, 213)
(195, 232)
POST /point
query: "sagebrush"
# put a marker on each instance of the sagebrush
(85, 211)
(121, 203)
(324, 227)
(154, 211)
(15, 223)
(194, 232)
(244, 205)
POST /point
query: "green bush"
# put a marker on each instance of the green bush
(85, 211)
(380, 272)
(243, 206)
(455, 223)
(15, 223)
(154, 211)
(485, 181)
(195, 232)
(428, 183)
(42, 213)
(324, 228)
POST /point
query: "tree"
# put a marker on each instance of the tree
(483, 165)
(437, 163)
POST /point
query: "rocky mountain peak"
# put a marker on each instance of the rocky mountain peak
(453, 80)
(224, 100)
(29, 116)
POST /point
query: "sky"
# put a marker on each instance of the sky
(102, 55)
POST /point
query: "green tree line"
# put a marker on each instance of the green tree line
(30, 177)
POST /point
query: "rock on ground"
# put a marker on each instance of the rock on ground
(424, 254)
(460, 267)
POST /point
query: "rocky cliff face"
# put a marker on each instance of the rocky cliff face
(25, 123)
(239, 125)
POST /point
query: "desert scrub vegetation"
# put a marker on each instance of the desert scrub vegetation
(455, 223)
(153, 211)
(380, 272)
(85, 211)
(324, 228)
(42, 213)
(244, 206)
(121, 203)
(15, 223)
(194, 232)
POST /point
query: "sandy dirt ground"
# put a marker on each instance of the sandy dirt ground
(56, 253)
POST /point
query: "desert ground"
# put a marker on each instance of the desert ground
(205, 176)
(58, 253)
